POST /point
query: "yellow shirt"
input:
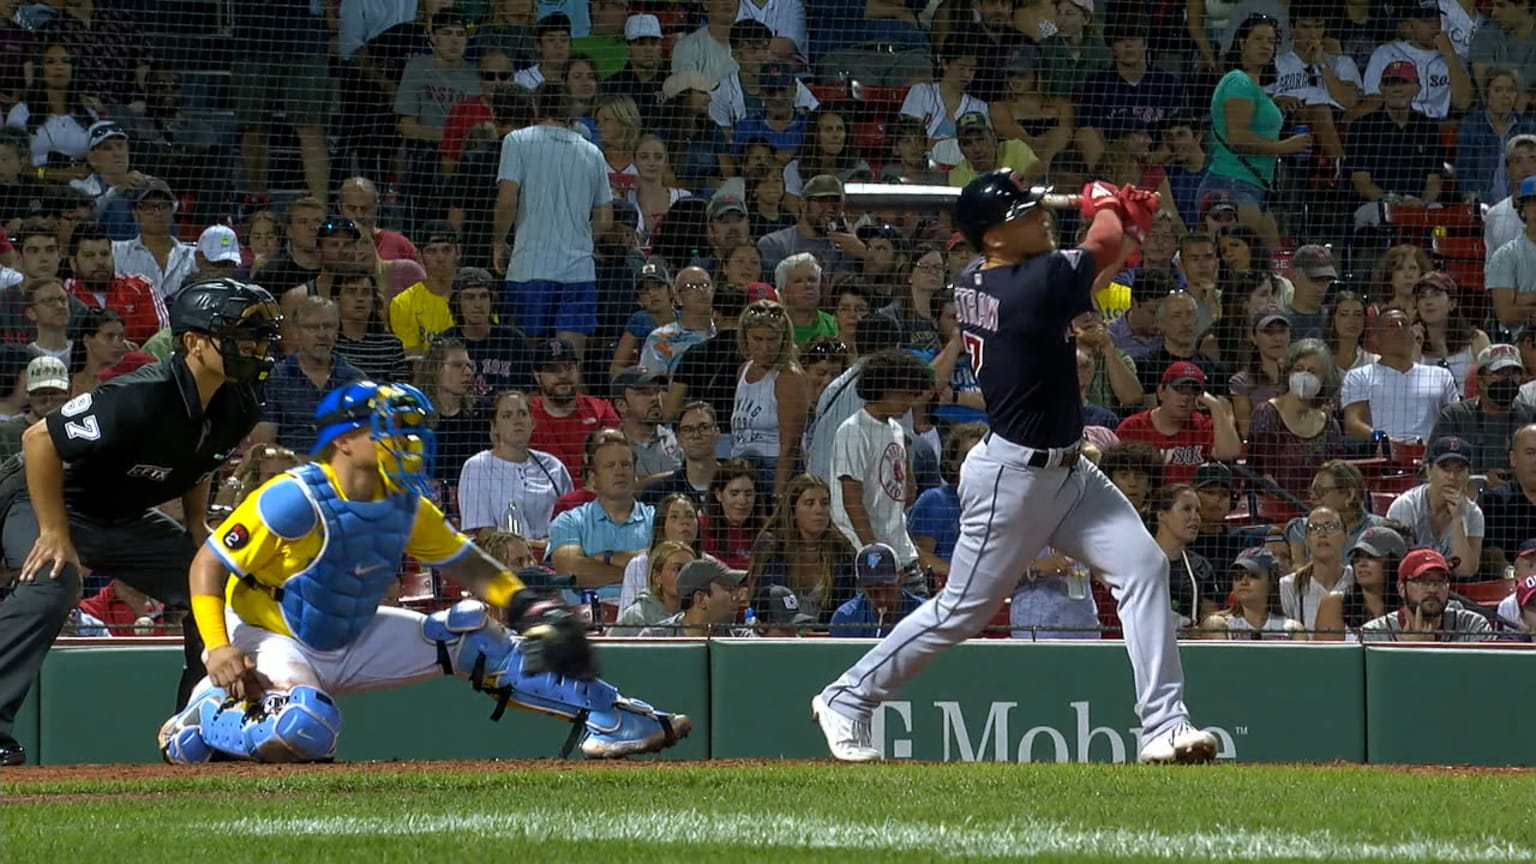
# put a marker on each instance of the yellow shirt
(249, 546)
(1113, 300)
(1014, 155)
(416, 315)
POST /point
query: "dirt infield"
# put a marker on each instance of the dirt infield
(32, 775)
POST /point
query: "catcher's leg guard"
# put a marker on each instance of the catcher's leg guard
(476, 646)
(299, 726)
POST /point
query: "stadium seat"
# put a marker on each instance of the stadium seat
(1487, 593)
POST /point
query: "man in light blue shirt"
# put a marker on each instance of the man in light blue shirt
(553, 184)
(595, 541)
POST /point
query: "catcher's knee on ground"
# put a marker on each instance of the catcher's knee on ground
(300, 725)
(473, 645)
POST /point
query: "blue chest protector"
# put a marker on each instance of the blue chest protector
(329, 602)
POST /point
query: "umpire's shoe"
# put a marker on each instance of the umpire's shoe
(11, 752)
(1182, 744)
(848, 739)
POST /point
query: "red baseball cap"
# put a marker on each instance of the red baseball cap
(1525, 591)
(956, 240)
(1183, 372)
(1421, 561)
(1401, 70)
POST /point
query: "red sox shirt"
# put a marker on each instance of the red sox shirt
(1183, 451)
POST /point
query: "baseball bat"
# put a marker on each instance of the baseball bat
(903, 196)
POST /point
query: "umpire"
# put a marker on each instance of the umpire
(82, 490)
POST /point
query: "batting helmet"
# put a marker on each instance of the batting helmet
(235, 312)
(992, 199)
(398, 416)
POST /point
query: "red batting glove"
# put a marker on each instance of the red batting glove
(1137, 207)
(1096, 197)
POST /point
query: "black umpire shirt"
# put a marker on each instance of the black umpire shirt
(144, 438)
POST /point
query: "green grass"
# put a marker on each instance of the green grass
(789, 812)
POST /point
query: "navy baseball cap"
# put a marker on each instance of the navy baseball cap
(553, 352)
(1213, 474)
(1448, 447)
(876, 565)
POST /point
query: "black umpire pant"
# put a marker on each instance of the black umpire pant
(152, 552)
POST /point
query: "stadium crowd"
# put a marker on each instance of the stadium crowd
(680, 376)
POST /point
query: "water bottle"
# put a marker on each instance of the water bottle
(512, 518)
(591, 610)
(1077, 582)
(749, 617)
(1304, 156)
(1379, 440)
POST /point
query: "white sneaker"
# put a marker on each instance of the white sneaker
(1181, 745)
(849, 740)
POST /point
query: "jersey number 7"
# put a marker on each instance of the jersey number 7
(975, 346)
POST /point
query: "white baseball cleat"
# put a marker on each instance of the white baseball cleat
(848, 740)
(1183, 744)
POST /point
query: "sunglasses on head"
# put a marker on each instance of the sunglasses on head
(827, 350)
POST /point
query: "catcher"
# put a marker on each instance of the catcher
(286, 595)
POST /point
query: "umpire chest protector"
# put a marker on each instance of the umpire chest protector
(329, 602)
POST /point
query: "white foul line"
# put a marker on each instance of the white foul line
(1019, 838)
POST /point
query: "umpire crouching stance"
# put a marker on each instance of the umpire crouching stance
(82, 490)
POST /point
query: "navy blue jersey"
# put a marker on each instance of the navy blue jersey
(1018, 333)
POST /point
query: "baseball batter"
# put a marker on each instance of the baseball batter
(1025, 487)
(286, 595)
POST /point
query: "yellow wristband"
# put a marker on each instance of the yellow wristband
(208, 612)
(501, 589)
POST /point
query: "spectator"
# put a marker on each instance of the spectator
(676, 521)
(653, 294)
(740, 278)
(732, 518)
(1246, 125)
(299, 380)
(1187, 167)
(740, 94)
(800, 550)
(1174, 519)
(958, 399)
(1254, 612)
(20, 189)
(1431, 56)
(1395, 395)
(659, 600)
(881, 602)
(282, 57)
(641, 78)
(300, 261)
(1488, 421)
(885, 46)
(218, 252)
(358, 200)
(1325, 571)
(829, 151)
(555, 185)
(1372, 592)
(495, 72)
(498, 351)
(48, 314)
(1502, 222)
(934, 522)
(697, 147)
(1424, 580)
(338, 241)
(778, 613)
(706, 597)
(57, 111)
(707, 50)
(1185, 437)
(423, 311)
(1293, 432)
(552, 38)
(580, 80)
(39, 259)
(1394, 151)
(649, 191)
(1128, 96)
(1509, 510)
(1260, 374)
(1481, 135)
(1177, 315)
(823, 361)
(47, 382)
(1157, 251)
(1136, 333)
(126, 611)
(1507, 45)
(13, 381)
(983, 152)
(1442, 514)
(472, 190)
(798, 280)
(1450, 340)
(618, 134)
(511, 486)
(870, 468)
(909, 162)
(1345, 332)
(1218, 542)
(768, 417)
(595, 541)
(1339, 486)
(446, 373)
(110, 179)
(364, 339)
(1135, 469)
(1312, 278)
(692, 294)
(1074, 52)
(1397, 276)
(885, 270)
(1106, 374)
(637, 398)
(915, 311)
(98, 345)
(785, 23)
(709, 372)
(1510, 274)
(697, 433)
(429, 88)
(562, 415)
(96, 285)
(155, 253)
(820, 231)
(1520, 607)
(730, 229)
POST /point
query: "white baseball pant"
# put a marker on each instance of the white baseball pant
(1009, 512)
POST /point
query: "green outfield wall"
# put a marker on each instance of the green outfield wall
(993, 700)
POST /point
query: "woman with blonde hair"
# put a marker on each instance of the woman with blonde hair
(659, 600)
(675, 519)
(1255, 609)
(768, 415)
(801, 550)
(1302, 592)
(1340, 487)
(618, 133)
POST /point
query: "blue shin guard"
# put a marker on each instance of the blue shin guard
(475, 646)
(299, 726)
